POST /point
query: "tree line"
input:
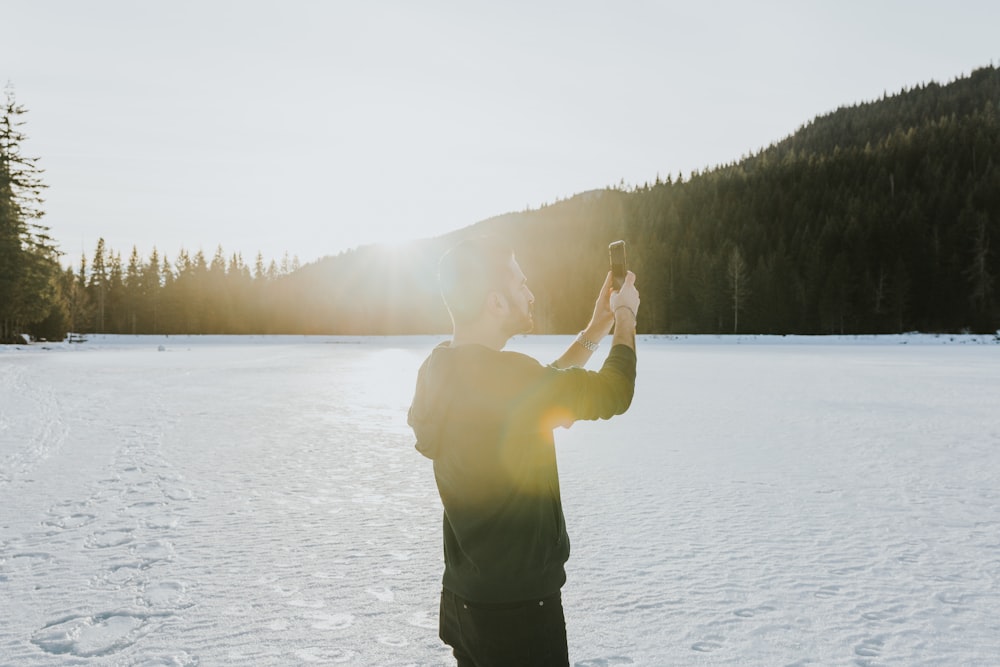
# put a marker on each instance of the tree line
(40, 298)
(190, 295)
(879, 217)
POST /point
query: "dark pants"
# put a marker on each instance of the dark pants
(515, 634)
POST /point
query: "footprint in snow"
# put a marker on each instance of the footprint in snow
(153, 552)
(105, 539)
(708, 645)
(869, 648)
(33, 555)
(424, 619)
(143, 506)
(326, 656)
(390, 640)
(160, 522)
(165, 594)
(178, 493)
(71, 521)
(302, 603)
(120, 574)
(327, 622)
(610, 661)
(750, 613)
(93, 636)
(382, 594)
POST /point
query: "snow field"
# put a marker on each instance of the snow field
(259, 501)
(831, 505)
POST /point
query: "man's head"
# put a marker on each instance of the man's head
(482, 284)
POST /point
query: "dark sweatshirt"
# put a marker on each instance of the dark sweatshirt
(486, 418)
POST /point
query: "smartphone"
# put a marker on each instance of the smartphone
(619, 267)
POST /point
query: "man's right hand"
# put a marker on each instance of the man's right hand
(625, 306)
(626, 297)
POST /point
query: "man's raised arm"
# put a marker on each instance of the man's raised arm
(613, 308)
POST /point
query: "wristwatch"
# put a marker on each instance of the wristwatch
(589, 344)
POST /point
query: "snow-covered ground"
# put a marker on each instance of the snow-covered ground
(258, 501)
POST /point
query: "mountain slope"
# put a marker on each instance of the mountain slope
(878, 217)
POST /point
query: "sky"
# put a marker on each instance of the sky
(310, 128)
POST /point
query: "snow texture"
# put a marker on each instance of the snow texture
(181, 501)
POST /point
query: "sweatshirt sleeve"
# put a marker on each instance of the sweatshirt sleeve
(602, 394)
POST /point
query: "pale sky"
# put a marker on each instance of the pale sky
(314, 127)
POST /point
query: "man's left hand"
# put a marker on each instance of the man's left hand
(603, 319)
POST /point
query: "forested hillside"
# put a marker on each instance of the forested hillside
(878, 217)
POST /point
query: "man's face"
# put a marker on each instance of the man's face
(520, 301)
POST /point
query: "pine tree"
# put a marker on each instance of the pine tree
(97, 286)
(259, 272)
(116, 293)
(133, 291)
(29, 261)
(979, 274)
(736, 271)
(152, 290)
(78, 303)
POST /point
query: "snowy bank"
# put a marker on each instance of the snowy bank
(182, 342)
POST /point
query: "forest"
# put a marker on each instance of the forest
(880, 217)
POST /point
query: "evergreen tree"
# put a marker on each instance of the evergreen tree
(116, 294)
(979, 272)
(75, 292)
(97, 287)
(134, 295)
(737, 272)
(152, 289)
(29, 261)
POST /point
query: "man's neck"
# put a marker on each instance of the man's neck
(492, 339)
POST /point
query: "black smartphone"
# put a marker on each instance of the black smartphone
(619, 267)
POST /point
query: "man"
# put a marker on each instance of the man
(485, 417)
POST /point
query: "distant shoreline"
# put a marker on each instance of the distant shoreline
(123, 341)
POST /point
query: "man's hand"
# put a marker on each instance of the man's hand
(624, 306)
(603, 317)
(627, 297)
(600, 326)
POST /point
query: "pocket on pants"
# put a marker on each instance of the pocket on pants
(518, 633)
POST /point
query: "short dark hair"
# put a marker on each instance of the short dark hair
(469, 271)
